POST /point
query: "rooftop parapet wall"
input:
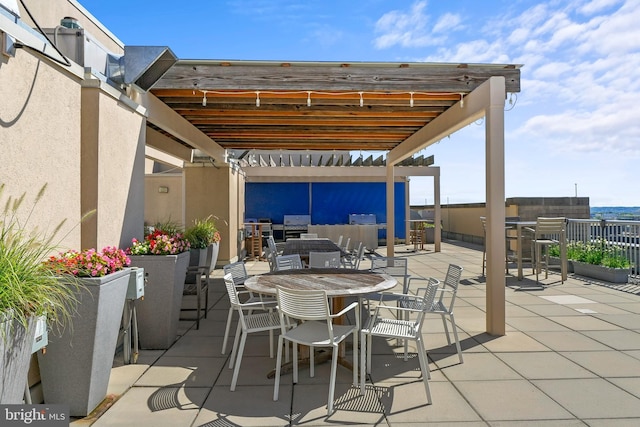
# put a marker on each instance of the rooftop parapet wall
(530, 208)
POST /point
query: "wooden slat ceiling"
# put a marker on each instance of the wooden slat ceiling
(318, 106)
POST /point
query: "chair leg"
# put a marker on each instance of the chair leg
(276, 386)
(369, 351)
(312, 362)
(424, 366)
(295, 363)
(236, 370)
(226, 331)
(332, 380)
(355, 358)
(363, 363)
(234, 349)
(446, 328)
(455, 335)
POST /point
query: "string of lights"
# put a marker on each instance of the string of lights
(361, 94)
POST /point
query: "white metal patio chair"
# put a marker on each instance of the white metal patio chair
(324, 259)
(353, 259)
(308, 235)
(305, 319)
(400, 328)
(345, 248)
(396, 267)
(445, 303)
(288, 262)
(238, 272)
(265, 320)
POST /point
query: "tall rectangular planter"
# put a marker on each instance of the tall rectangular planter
(612, 275)
(16, 343)
(76, 368)
(159, 312)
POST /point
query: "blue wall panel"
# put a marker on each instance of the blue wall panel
(331, 202)
(274, 200)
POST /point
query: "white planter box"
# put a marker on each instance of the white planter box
(612, 275)
(15, 353)
(76, 368)
(159, 312)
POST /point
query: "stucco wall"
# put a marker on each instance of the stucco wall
(163, 206)
(112, 169)
(49, 13)
(40, 139)
(217, 191)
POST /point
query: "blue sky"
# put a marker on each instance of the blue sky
(574, 126)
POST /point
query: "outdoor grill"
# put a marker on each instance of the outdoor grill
(296, 224)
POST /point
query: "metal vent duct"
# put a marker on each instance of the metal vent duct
(145, 65)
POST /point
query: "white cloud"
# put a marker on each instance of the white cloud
(447, 22)
(409, 29)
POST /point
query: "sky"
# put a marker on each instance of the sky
(574, 129)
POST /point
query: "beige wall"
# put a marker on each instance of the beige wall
(112, 169)
(217, 191)
(163, 207)
(40, 139)
(80, 136)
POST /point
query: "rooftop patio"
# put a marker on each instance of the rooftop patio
(571, 356)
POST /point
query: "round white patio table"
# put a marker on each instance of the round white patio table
(337, 282)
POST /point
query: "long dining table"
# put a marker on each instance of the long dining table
(337, 282)
(304, 246)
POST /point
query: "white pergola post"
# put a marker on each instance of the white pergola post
(495, 240)
(486, 100)
(391, 234)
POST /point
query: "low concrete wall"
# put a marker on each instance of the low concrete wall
(462, 222)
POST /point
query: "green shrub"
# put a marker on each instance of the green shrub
(594, 253)
(29, 286)
(202, 233)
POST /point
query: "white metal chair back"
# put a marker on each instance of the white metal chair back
(306, 319)
(359, 256)
(272, 244)
(295, 304)
(345, 248)
(339, 242)
(393, 266)
(448, 291)
(308, 235)
(405, 327)
(288, 262)
(353, 260)
(266, 319)
(450, 286)
(238, 272)
(324, 259)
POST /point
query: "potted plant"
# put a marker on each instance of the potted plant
(29, 289)
(200, 235)
(76, 368)
(599, 261)
(164, 255)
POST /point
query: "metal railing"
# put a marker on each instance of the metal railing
(622, 235)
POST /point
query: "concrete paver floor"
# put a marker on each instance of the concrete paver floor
(570, 357)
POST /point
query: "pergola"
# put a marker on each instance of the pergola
(400, 108)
